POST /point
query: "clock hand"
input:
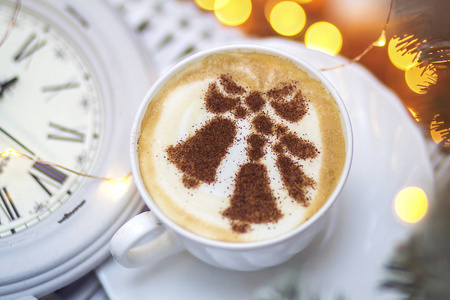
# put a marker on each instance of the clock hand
(17, 142)
(7, 84)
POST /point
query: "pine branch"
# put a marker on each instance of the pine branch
(420, 268)
(424, 27)
(428, 22)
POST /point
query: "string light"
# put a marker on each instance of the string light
(11, 23)
(287, 18)
(12, 152)
(380, 42)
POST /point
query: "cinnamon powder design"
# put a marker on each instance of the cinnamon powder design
(200, 155)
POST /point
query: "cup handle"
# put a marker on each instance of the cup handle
(143, 240)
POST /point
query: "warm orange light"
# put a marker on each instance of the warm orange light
(411, 204)
(420, 78)
(325, 37)
(233, 12)
(400, 58)
(287, 18)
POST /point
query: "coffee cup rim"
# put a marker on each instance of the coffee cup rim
(241, 47)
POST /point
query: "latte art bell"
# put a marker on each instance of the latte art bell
(246, 145)
(240, 152)
(200, 155)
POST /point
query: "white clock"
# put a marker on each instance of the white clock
(71, 79)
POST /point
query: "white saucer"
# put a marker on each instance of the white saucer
(390, 154)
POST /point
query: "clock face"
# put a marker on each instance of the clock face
(50, 109)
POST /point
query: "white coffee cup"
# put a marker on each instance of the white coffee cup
(151, 236)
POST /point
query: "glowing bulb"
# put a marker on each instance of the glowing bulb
(113, 187)
(120, 187)
(287, 18)
(325, 37)
(400, 58)
(381, 42)
(10, 151)
(411, 204)
(233, 12)
(420, 78)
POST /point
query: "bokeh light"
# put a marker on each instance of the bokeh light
(420, 78)
(287, 18)
(400, 58)
(211, 4)
(411, 204)
(435, 135)
(233, 12)
(205, 4)
(325, 37)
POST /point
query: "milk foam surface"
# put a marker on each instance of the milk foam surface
(178, 111)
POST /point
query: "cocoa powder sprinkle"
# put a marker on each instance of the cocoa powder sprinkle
(281, 92)
(299, 147)
(218, 103)
(240, 112)
(200, 155)
(281, 129)
(255, 149)
(292, 110)
(255, 101)
(240, 227)
(252, 200)
(295, 180)
(230, 86)
(263, 124)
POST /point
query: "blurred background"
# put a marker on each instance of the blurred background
(348, 28)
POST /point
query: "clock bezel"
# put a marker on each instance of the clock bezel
(26, 254)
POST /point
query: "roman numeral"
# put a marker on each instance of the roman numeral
(47, 177)
(7, 205)
(31, 45)
(66, 134)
